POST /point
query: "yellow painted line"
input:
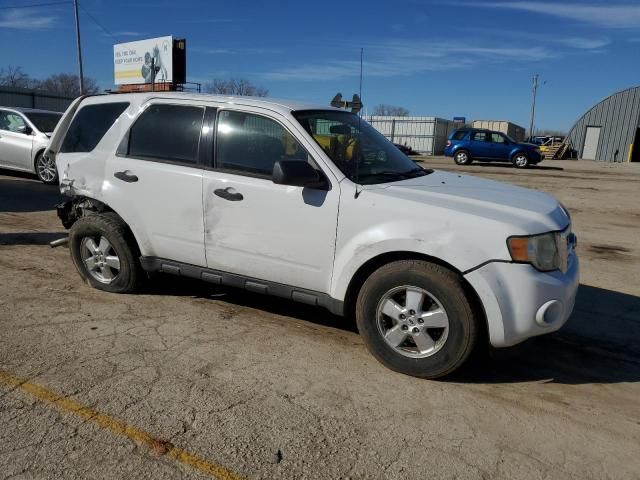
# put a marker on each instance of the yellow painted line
(157, 445)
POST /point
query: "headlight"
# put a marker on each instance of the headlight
(541, 251)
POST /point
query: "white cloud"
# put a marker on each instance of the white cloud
(608, 15)
(235, 51)
(128, 33)
(406, 58)
(582, 43)
(26, 20)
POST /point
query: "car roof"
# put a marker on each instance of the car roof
(272, 103)
(29, 110)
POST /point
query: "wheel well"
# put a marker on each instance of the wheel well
(78, 207)
(517, 152)
(35, 157)
(373, 264)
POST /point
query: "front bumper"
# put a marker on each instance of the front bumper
(521, 302)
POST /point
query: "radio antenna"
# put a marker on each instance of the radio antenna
(357, 194)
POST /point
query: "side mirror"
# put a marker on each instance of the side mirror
(25, 129)
(297, 173)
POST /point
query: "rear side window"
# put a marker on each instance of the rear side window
(89, 126)
(459, 135)
(167, 132)
(480, 137)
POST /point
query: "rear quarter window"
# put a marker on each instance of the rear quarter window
(89, 126)
(459, 135)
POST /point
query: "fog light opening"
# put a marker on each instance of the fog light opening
(549, 313)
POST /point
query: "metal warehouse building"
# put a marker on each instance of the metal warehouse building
(610, 129)
(426, 135)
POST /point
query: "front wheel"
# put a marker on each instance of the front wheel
(521, 160)
(417, 319)
(46, 170)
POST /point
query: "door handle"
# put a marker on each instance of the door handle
(126, 176)
(229, 193)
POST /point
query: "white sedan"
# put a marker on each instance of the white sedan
(24, 135)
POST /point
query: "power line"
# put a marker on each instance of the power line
(34, 5)
(102, 27)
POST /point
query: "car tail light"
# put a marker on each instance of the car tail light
(448, 143)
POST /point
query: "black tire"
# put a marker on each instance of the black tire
(520, 160)
(462, 157)
(43, 169)
(447, 287)
(121, 241)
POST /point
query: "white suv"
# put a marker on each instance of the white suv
(312, 204)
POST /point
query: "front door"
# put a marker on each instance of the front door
(591, 139)
(258, 229)
(156, 181)
(15, 143)
(500, 148)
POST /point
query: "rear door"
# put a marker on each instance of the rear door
(480, 145)
(155, 180)
(15, 143)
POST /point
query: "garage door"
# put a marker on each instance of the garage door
(591, 138)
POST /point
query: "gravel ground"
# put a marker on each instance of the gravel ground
(271, 389)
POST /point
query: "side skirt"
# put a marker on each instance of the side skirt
(310, 297)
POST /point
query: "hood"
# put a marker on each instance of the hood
(532, 211)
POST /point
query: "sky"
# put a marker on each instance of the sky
(474, 59)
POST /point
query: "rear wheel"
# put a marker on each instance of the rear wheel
(520, 160)
(462, 157)
(105, 253)
(416, 318)
(46, 170)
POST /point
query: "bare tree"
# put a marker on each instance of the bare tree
(390, 110)
(235, 86)
(15, 77)
(68, 84)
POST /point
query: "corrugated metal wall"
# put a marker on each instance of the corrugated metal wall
(514, 131)
(426, 135)
(21, 97)
(619, 117)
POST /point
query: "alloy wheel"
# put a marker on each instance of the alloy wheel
(412, 321)
(100, 259)
(46, 169)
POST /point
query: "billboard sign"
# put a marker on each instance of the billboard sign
(133, 61)
(459, 119)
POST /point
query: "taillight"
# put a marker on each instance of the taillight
(448, 143)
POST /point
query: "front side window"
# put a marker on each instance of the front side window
(252, 144)
(44, 121)
(362, 153)
(167, 132)
(480, 137)
(89, 125)
(497, 138)
(12, 122)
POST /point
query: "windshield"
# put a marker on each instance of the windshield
(45, 122)
(362, 153)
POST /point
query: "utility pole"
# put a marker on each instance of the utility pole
(81, 75)
(534, 89)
